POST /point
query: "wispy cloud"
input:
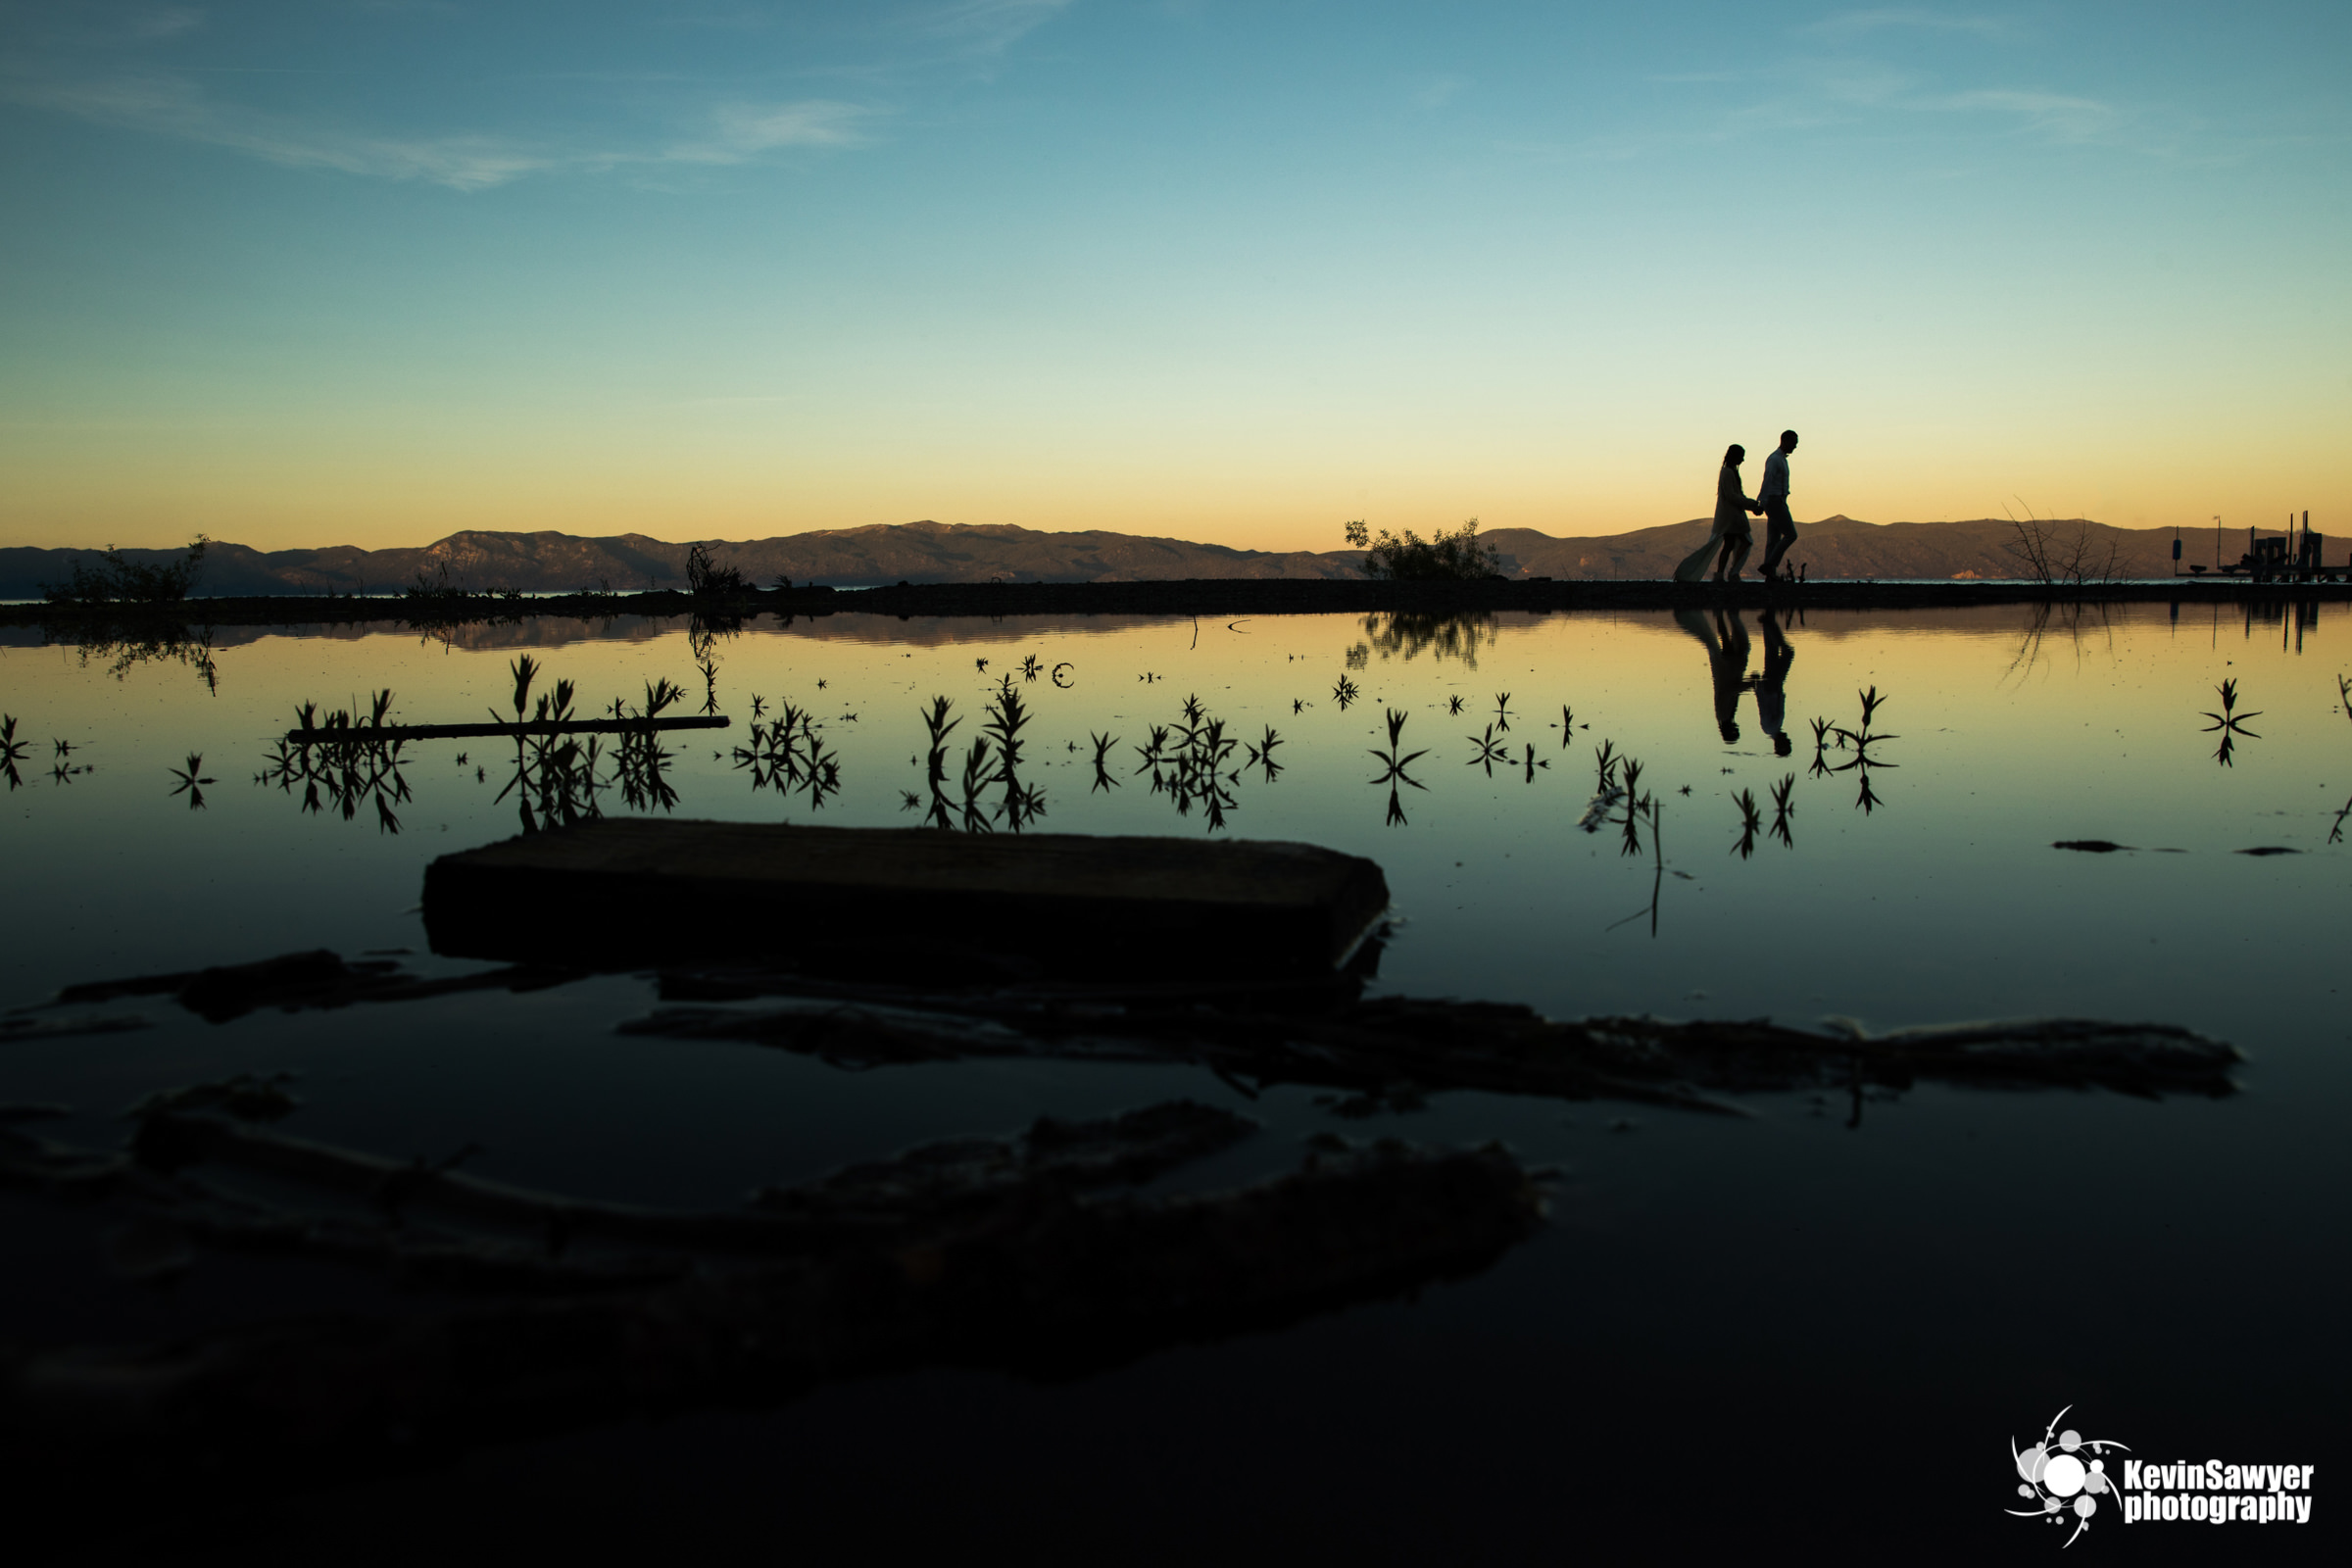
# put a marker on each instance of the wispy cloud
(1916, 19)
(91, 75)
(744, 131)
(168, 106)
(2058, 116)
(987, 27)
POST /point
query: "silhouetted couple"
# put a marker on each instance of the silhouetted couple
(1732, 539)
(1727, 647)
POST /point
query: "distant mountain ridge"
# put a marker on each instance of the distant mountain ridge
(934, 552)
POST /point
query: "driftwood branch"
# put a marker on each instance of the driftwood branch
(369, 734)
(1440, 1045)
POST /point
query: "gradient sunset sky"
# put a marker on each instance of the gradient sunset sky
(369, 273)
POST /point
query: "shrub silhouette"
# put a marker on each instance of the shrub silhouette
(116, 582)
(1453, 556)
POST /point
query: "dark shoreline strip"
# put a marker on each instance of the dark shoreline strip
(1225, 596)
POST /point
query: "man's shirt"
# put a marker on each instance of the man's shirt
(1776, 477)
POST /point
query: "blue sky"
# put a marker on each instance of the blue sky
(372, 273)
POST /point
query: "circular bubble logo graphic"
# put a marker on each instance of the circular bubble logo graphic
(2058, 1482)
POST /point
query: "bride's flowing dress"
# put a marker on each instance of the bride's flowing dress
(1731, 516)
(1695, 566)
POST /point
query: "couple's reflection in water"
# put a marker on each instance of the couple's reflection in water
(1729, 649)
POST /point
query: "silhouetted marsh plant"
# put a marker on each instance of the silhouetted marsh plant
(1491, 751)
(1656, 810)
(190, 782)
(1860, 742)
(1394, 762)
(1192, 761)
(991, 763)
(2343, 692)
(787, 754)
(1751, 822)
(12, 751)
(709, 669)
(1103, 745)
(1344, 693)
(938, 726)
(977, 776)
(1262, 754)
(1007, 716)
(556, 781)
(349, 776)
(1783, 807)
(344, 764)
(1637, 808)
(1821, 746)
(2231, 724)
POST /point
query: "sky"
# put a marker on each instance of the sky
(371, 271)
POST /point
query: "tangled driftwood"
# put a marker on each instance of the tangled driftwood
(1033, 1254)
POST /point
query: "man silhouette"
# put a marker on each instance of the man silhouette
(1780, 529)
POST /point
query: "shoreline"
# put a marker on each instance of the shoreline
(1205, 596)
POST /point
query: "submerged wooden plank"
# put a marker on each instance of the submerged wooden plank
(632, 891)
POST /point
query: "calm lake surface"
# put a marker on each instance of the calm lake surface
(1735, 1333)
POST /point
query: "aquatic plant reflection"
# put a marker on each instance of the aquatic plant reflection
(993, 761)
(788, 753)
(352, 769)
(2231, 723)
(1860, 741)
(2343, 693)
(1394, 766)
(190, 783)
(12, 751)
(1752, 822)
(1192, 763)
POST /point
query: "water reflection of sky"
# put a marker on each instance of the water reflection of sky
(1946, 901)
(1771, 1280)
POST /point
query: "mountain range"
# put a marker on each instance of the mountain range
(1835, 547)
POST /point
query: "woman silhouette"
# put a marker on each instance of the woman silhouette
(1732, 536)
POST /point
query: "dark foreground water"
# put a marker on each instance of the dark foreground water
(1818, 1329)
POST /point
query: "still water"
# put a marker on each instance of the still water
(1821, 1325)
